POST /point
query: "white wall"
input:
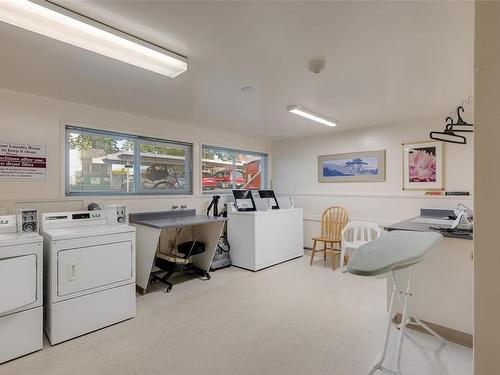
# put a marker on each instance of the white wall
(295, 166)
(487, 180)
(38, 120)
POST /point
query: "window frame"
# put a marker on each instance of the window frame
(138, 140)
(264, 168)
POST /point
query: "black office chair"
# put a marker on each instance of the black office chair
(179, 259)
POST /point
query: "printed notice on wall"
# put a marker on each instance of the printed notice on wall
(23, 162)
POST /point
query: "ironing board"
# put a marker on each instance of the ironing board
(393, 252)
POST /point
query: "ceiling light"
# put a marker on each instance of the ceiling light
(61, 24)
(298, 110)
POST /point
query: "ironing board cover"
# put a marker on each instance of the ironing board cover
(392, 251)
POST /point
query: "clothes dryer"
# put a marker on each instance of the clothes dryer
(21, 298)
(90, 273)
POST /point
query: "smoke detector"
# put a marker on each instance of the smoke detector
(316, 66)
(247, 89)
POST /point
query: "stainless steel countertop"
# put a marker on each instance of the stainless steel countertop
(172, 219)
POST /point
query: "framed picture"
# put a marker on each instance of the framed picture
(423, 166)
(352, 167)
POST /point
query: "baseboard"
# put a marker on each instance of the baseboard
(458, 337)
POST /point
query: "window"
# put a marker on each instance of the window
(224, 169)
(100, 162)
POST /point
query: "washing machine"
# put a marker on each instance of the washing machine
(89, 261)
(21, 298)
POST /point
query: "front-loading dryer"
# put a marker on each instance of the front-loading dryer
(90, 273)
(21, 298)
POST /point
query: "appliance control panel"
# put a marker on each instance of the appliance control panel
(8, 224)
(109, 215)
(85, 215)
(72, 219)
(27, 220)
(116, 214)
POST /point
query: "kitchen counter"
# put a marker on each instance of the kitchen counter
(443, 293)
(175, 221)
(414, 224)
(150, 226)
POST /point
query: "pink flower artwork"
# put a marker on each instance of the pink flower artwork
(422, 166)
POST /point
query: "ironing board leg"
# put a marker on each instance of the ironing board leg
(404, 317)
(378, 365)
(407, 312)
(414, 314)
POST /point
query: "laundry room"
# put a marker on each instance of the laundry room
(241, 187)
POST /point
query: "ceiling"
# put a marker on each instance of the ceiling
(386, 62)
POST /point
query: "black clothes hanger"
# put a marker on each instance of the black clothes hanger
(460, 122)
(448, 135)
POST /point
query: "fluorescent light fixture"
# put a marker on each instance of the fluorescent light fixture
(56, 22)
(298, 110)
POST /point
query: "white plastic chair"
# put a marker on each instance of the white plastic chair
(355, 234)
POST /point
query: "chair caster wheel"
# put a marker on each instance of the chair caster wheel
(168, 289)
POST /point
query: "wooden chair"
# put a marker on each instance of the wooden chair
(333, 220)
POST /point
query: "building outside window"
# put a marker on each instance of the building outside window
(100, 162)
(225, 169)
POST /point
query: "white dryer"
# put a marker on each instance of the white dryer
(89, 273)
(21, 308)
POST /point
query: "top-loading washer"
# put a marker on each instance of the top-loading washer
(21, 299)
(89, 273)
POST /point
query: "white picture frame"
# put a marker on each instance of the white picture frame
(423, 166)
(364, 166)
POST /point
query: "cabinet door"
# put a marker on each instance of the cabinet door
(278, 237)
(91, 267)
(17, 282)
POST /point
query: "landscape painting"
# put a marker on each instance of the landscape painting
(352, 167)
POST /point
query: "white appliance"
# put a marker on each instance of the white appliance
(21, 308)
(90, 273)
(261, 239)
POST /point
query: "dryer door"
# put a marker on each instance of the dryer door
(92, 267)
(17, 282)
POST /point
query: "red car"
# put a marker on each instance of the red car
(208, 183)
(225, 180)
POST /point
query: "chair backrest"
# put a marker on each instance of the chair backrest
(360, 231)
(333, 220)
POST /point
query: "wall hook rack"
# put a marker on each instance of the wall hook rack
(449, 134)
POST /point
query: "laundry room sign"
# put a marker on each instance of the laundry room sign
(23, 162)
